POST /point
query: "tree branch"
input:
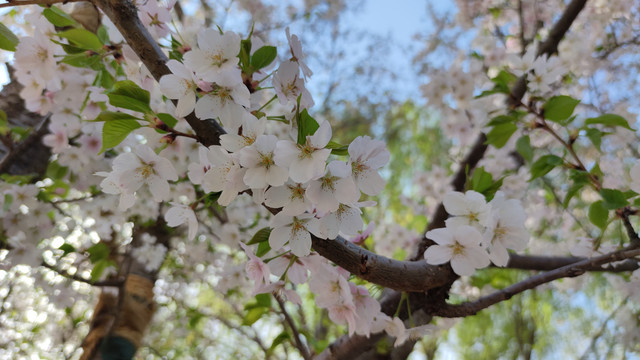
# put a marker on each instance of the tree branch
(35, 2)
(124, 15)
(76, 277)
(296, 335)
(572, 270)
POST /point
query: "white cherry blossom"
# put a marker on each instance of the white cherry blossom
(469, 208)
(215, 59)
(180, 85)
(291, 197)
(294, 230)
(366, 156)
(178, 214)
(334, 188)
(307, 161)
(261, 168)
(460, 245)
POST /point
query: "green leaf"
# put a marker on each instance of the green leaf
(609, 120)
(8, 40)
(114, 116)
(306, 126)
(598, 214)
(4, 123)
(66, 249)
(282, 337)
(84, 60)
(338, 149)
(502, 119)
(263, 57)
(99, 267)
(104, 79)
(97, 252)
(128, 95)
(559, 108)
(8, 200)
(169, 120)
(595, 136)
(481, 180)
(613, 199)
(113, 132)
(56, 171)
(580, 179)
(263, 248)
(500, 134)
(253, 315)
(103, 34)
(260, 236)
(58, 17)
(82, 38)
(523, 147)
(543, 165)
(245, 50)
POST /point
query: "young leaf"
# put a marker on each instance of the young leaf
(82, 38)
(58, 17)
(260, 236)
(481, 180)
(98, 252)
(609, 120)
(128, 95)
(114, 115)
(338, 149)
(500, 134)
(113, 132)
(613, 199)
(559, 108)
(523, 147)
(8, 40)
(598, 214)
(263, 57)
(595, 136)
(543, 165)
(306, 126)
(169, 120)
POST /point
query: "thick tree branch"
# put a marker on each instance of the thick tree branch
(124, 15)
(573, 270)
(417, 276)
(546, 263)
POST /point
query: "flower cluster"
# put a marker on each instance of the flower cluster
(478, 232)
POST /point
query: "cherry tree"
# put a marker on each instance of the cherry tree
(170, 189)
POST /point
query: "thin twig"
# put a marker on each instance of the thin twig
(603, 327)
(573, 270)
(296, 335)
(75, 277)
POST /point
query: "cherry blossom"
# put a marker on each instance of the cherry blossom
(469, 208)
(366, 156)
(294, 230)
(215, 58)
(460, 245)
(178, 214)
(291, 197)
(261, 168)
(180, 85)
(307, 161)
(334, 188)
(506, 229)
